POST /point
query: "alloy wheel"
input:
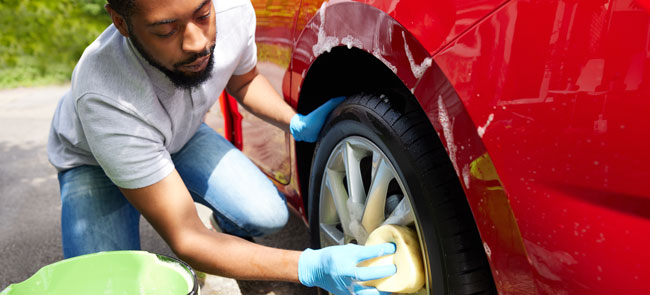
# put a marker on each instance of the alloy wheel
(361, 191)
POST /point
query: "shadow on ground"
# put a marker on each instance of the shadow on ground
(294, 236)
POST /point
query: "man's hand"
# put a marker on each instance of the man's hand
(335, 268)
(307, 127)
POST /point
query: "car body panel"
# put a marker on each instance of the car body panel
(558, 90)
(545, 120)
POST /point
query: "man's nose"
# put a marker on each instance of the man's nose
(193, 39)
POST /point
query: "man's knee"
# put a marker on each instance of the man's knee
(271, 220)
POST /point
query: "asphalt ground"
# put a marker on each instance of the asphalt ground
(30, 208)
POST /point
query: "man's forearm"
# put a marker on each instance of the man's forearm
(233, 257)
(168, 206)
(256, 94)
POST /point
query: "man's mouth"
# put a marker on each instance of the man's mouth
(198, 65)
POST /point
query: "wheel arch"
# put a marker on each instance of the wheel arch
(317, 87)
(337, 53)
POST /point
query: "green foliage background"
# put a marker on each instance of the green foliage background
(41, 40)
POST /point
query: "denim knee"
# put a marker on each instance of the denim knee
(268, 217)
(271, 220)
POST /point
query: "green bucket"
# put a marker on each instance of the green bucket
(117, 272)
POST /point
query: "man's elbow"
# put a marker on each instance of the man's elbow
(188, 247)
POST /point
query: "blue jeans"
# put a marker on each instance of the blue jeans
(95, 216)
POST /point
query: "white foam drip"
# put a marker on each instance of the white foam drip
(356, 228)
(324, 43)
(488, 251)
(417, 69)
(466, 176)
(446, 123)
(481, 129)
(350, 42)
(380, 57)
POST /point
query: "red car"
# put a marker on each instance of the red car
(513, 136)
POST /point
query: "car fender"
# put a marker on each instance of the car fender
(337, 24)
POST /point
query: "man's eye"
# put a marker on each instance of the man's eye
(167, 34)
(205, 16)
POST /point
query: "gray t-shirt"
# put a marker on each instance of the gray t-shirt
(126, 116)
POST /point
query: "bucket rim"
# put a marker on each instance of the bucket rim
(187, 267)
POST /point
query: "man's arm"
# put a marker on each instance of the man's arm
(168, 206)
(255, 93)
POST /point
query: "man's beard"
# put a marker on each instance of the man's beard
(180, 79)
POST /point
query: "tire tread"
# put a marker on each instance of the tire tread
(467, 261)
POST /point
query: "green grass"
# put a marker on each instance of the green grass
(41, 40)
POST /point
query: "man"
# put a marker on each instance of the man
(128, 139)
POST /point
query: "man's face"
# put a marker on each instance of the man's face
(177, 37)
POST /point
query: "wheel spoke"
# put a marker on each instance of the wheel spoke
(339, 196)
(376, 159)
(373, 214)
(402, 215)
(356, 229)
(327, 210)
(332, 234)
(353, 173)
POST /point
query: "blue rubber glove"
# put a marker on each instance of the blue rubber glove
(363, 290)
(335, 268)
(307, 127)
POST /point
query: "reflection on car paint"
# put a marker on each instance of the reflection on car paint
(555, 102)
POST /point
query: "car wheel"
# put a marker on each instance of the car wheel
(379, 161)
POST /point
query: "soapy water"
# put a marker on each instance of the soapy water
(356, 228)
(377, 53)
(417, 69)
(117, 272)
(350, 42)
(356, 210)
(445, 121)
(481, 129)
(179, 269)
(324, 43)
(466, 174)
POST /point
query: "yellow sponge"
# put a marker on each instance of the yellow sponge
(408, 259)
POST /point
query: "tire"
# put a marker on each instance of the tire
(393, 138)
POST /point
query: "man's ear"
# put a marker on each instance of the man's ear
(118, 20)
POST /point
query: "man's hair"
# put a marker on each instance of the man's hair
(124, 7)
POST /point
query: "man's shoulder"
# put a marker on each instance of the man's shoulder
(108, 67)
(220, 6)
